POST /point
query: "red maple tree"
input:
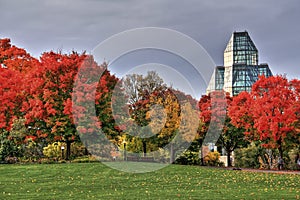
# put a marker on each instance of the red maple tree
(269, 112)
(15, 65)
(214, 114)
(41, 91)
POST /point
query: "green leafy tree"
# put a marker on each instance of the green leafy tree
(231, 139)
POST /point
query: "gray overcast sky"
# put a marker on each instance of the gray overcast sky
(43, 25)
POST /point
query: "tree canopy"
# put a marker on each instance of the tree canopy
(269, 113)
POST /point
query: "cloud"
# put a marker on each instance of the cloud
(81, 24)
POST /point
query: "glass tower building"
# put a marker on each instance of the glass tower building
(241, 69)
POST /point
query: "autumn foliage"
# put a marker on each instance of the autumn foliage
(269, 113)
(38, 95)
(214, 113)
(40, 91)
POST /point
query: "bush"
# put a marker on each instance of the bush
(53, 150)
(292, 161)
(77, 150)
(11, 160)
(7, 147)
(212, 159)
(188, 158)
(161, 155)
(247, 157)
(256, 156)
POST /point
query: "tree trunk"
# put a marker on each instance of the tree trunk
(280, 151)
(125, 153)
(201, 156)
(171, 153)
(68, 154)
(228, 159)
(280, 148)
(86, 152)
(145, 148)
(270, 160)
(280, 160)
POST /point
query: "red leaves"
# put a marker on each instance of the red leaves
(68, 107)
(269, 112)
(30, 138)
(213, 107)
(14, 64)
(239, 111)
(41, 91)
(40, 134)
(15, 58)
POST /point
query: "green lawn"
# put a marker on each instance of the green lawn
(97, 181)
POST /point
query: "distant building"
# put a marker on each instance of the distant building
(241, 69)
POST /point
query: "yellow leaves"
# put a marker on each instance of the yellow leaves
(211, 158)
(164, 114)
(168, 116)
(53, 150)
(189, 123)
(158, 118)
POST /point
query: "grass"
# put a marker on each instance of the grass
(97, 181)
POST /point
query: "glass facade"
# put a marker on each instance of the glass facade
(240, 50)
(244, 76)
(241, 69)
(219, 77)
(263, 69)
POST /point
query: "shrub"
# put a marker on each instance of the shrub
(32, 150)
(77, 150)
(293, 158)
(256, 156)
(188, 158)
(212, 159)
(247, 157)
(7, 147)
(53, 150)
(11, 160)
(162, 155)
